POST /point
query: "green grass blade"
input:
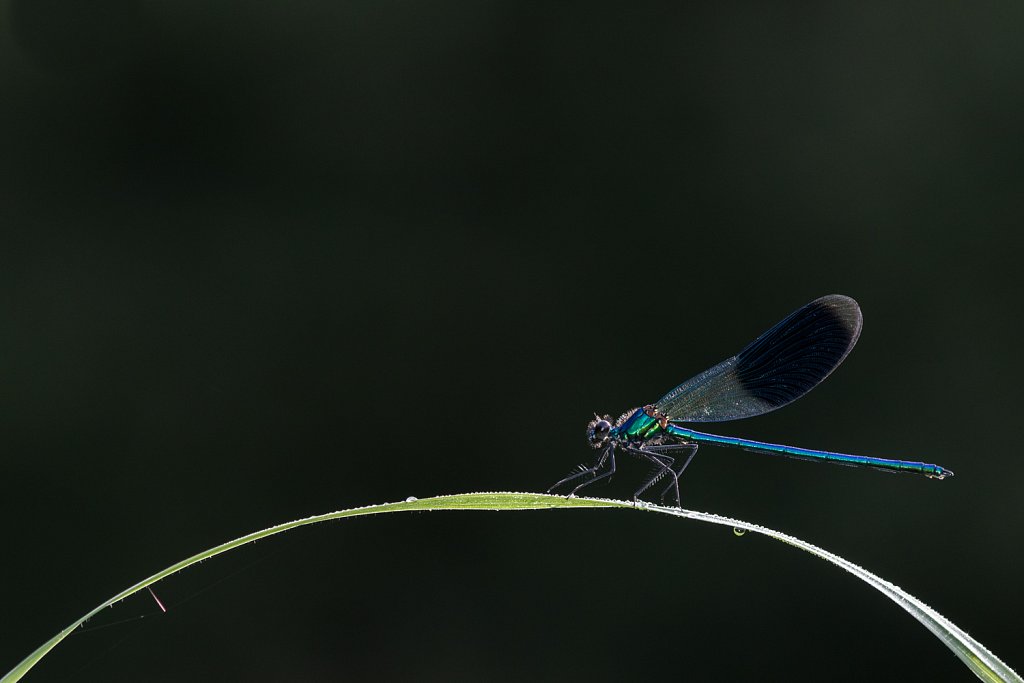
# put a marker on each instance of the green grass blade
(976, 656)
(983, 663)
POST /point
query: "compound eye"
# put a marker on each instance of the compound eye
(598, 431)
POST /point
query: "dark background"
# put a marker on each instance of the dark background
(265, 260)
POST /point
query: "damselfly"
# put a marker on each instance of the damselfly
(777, 368)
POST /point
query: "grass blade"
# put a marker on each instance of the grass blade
(978, 659)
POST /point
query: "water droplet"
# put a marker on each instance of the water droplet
(738, 531)
(411, 499)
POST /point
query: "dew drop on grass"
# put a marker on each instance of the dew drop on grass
(411, 499)
(738, 531)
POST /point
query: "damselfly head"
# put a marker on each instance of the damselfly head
(598, 430)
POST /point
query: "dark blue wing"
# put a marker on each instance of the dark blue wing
(777, 368)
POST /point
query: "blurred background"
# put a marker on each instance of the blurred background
(260, 261)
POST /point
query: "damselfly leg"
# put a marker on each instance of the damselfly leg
(606, 459)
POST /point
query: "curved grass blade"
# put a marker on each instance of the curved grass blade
(976, 656)
(978, 659)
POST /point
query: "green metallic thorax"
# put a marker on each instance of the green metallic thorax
(638, 427)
